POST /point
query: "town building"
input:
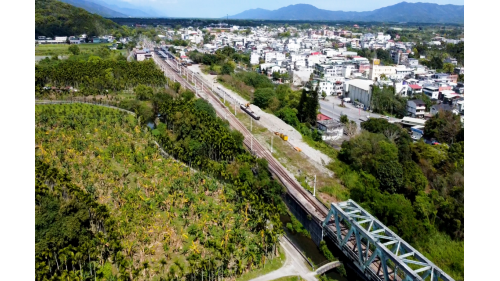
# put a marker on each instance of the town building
(331, 129)
(359, 90)
(440, 107)
(415, 108)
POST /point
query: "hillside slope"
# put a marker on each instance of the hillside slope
(55, 18)
(401, 12)
(171, 221)
(95, 8)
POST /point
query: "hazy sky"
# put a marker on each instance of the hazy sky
(219, 8)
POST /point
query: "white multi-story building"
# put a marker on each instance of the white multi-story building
(328, 69)
(347, 70)
(338, 84)
(142, 55)
(292, 47)
(296, 57)
(254, 58)
(300, 64)
(412, 62)
(431, 91)
(269, 56)
(377, 70)
(402, 71)
(323, 86)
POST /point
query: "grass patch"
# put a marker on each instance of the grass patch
(336, 190)
(204, 69)
(237, 86)
(446, 253)
(289, 278)
(62, 49)
(321, 146)
(270, 266)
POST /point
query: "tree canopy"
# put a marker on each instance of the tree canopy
(55, 18)
(444, 127)
(390, 166)
(170, 221)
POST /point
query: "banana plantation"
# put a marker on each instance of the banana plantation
(109, 206)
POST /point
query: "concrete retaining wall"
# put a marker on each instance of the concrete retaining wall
(311, 225)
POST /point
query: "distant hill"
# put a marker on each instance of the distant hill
(95, 8)
(401, 12)
(130, 9)
(53, 18)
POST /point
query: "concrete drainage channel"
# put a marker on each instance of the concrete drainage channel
(300, 252)
(310, 252)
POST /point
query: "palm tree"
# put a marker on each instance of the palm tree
(163, 262)
(145, 266)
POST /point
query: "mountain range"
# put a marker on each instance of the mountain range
(95, 8)
(114, 8)
(401, 12)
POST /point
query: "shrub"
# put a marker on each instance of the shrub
(326, 252)
(263, 96)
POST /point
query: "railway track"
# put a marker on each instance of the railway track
(255, 147)
(250, 142)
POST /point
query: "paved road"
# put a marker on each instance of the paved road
(295, 265)
(330, 107)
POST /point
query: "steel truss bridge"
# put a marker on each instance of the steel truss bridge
(377, 251)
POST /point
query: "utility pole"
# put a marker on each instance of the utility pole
(314, 191)
(250, 124)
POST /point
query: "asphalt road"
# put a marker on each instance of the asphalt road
(331, 108)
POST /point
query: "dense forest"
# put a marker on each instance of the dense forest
(55, 18)
(416, 189)
(94, 74)
(180, 224)
(74, 234)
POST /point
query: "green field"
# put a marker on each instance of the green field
(62, 49)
